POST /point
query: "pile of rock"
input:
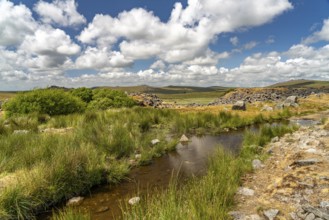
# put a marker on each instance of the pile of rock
(292, 183)
(264, 94)
(145, 99)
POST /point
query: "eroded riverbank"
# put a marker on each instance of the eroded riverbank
(293, 183)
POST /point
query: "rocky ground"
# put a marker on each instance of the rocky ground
(293, 183)
(265, 94)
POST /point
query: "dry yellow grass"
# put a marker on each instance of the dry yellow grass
(6, 95)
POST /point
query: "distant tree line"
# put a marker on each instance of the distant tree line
(60, 102)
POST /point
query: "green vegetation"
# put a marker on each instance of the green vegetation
(61, 102)
(180, 94)
(69, 214)
(40, 169)
(104, 98)
(211, 196)
(49, 101)
(302, 83)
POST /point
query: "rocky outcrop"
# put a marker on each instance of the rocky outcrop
(292, 183)
(265, 94)
(149, 100)
(239, 105)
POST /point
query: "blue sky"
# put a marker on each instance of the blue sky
(76, 43)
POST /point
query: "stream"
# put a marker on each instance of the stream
(189, 159)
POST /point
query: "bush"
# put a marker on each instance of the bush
(85, 94)
(44, 101)
(106, 98)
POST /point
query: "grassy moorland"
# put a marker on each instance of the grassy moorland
(302, 83)
(55, 157)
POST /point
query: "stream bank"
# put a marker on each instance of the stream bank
(293, 183)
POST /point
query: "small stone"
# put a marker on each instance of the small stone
(253, 217)
(246, 192)
(102, 209)
(311, 151)
(155, 141)
(134, 200)
(310, 216)
(271, 213)
(21, 132)
(275, 139)
(237, 215)
(305, 162)
(75, 201)
(257, 164)
(183, 138)
(294, 216)
(324, 204)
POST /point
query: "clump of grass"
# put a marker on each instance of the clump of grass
(70, 214)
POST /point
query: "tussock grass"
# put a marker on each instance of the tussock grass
(50, 167)
(70, 214)
(210, 196)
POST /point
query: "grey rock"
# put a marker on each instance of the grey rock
(75, 201)
(102, 209)
(310, 216)
(245, 191)
(291, 100)
(236, 215)
(183, 138)
(267, 109)
(134, 200)
(324, 204)
(253, 217)
(275, 139)
(155, 141)
(306, 162)
(317, 212)
(21, 132)
(257, 164)
(239, 105)
(271, 213)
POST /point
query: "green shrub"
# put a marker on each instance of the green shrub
(85, 94)
(44, 101)
(106, 98)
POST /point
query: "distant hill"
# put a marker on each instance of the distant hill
(302, 83)
(169, 89)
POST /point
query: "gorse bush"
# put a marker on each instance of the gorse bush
(85, 94)
(106, 98)
(45, 101)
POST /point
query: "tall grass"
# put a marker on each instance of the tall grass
(211, 196)
(49, 168)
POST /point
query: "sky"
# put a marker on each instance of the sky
(247, 43)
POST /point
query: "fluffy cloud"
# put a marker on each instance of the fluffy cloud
(49, 47)
(322, 35)
(16, 21)
(187, 34)
(63, 13)
(250, 45)
(94, 58)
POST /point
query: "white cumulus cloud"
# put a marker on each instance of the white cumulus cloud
(60, 12)
(322, 35)
(16, 22)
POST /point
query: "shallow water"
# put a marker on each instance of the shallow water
(189, 159)
(305, 122)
